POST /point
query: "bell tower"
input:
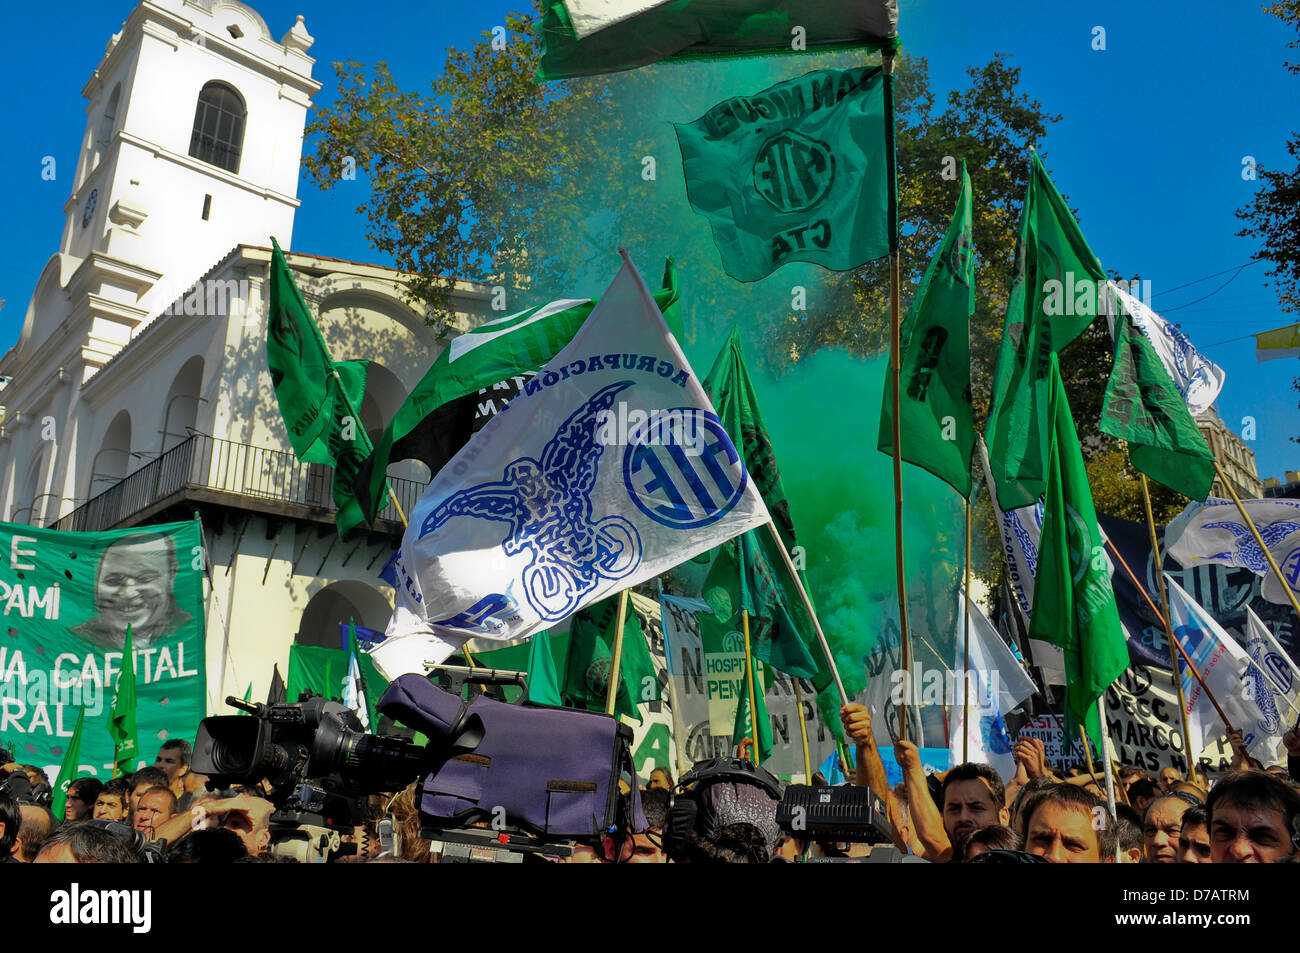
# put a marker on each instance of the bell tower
(193, 141)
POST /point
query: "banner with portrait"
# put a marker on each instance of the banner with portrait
(67, 599)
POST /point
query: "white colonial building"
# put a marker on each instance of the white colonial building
(139, 391)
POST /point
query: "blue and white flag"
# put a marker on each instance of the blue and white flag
(996, 683)
(610, 468)
(1283, 677)
(1242, 689)
(1214, 532)
(1197, 378)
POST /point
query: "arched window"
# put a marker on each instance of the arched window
(218, 136)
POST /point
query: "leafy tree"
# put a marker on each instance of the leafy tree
(496, 177)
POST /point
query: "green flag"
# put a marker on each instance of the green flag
(543, 682)
(1074, 604)
(319, 399)
(798, 172)
(745, 726)
(121, 717)
(750, 569)
(1054, 296)
(68, 769)
(455, 397)
(1142, 405)
(591, 652)
(322, 671)
(937, 423)
(581, 38)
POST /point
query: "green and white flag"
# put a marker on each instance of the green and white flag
(543, 682)
(937, 423)
(70, 769)
(798, 172)
(1074, 604)
(1054, 296)
(319, 398)
(1143, 406)
(585, 37)
(122, 722)
(744, 727)
(748, 572)
(474, 377)
(591, 656)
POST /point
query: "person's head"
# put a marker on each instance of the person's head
(1129, 773)
(134, 583)
(1066, 825)
(156, 806)
(114, 801)
(973, 797)
(11, 819)
(252, 822)
(1194, 838)
(1161, 825)
(215, 846)
(143, 780)
(1188, 787)
(173, 758)
(1168, 777)
(724, 817)
(1129, 836)
(82, 794)
(1141, 793)
(660, 780)
(1024, 797)
(37, 822)
(84, 842)
(1250, 818)
(35, 776)
(646, 847)
(993, 837)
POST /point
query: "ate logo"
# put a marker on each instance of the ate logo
(1290, 567)
(678, 489)
(792, 172)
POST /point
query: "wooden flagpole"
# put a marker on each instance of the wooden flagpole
(803, 729)
(965, 649)
(895, 324)
(1190, 665)
(807, 604)
(1169, 629)
(753, 697)
(611, 693)
(1259, 541)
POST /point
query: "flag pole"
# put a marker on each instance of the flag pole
(803, 729)
(1105, 756)
(1259, 541)
(611, 693)
(1169, 628)
(753, 698)
(895, 322)
(807, 604)
(1187, 661)
(965, 651)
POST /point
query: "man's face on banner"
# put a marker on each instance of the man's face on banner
(134, 586)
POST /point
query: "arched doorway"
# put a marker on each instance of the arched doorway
(336, 605)
(113, 461)
(181, 410)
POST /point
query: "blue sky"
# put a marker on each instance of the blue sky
(1149, 150)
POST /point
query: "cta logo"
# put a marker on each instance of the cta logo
(678, 489)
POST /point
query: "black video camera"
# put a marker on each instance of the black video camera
(317, 757)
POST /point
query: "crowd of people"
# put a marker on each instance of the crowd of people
(967, 814)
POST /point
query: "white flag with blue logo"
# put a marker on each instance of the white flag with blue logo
(1197, 378)
(1243, 691)
(609, 468)
(354, 696)
(1214, 532)
(1282, 674)
(997, 683)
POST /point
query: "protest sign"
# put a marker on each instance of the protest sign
(67, 600)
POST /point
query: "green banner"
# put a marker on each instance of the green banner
(67, 599)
